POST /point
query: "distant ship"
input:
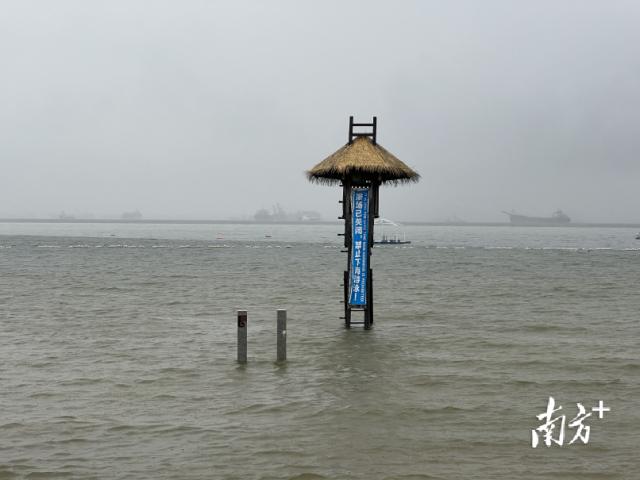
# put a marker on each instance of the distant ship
(558, 218)
(395, 240)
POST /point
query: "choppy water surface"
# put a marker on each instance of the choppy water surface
(117, 352)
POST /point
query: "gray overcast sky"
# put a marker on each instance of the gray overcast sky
(213, 109)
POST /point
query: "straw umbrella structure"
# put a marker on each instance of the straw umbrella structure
(362, 159)
(360, 167)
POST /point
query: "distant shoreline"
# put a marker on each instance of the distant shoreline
(253, 222)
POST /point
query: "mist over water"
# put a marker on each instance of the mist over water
(216, 109)
(118, 354)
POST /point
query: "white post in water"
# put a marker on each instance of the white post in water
(242, 336)
(282, 336)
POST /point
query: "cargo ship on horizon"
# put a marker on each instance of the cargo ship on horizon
(557, 219)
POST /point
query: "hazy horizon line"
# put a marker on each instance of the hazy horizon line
(196, 221)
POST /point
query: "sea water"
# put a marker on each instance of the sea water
(118, 348)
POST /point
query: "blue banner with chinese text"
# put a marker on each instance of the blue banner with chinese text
(359, 247)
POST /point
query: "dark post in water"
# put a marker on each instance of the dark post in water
(242, 336)
(360, 167)
(281, 330)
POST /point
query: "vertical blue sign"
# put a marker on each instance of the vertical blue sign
(359, 247)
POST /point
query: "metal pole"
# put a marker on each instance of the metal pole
(347, 309)
(350, 129)
(375, 129)
(370, 296)
(282, 335)
(368, 313)
(347, 214)
(242, 336)
(376, 196)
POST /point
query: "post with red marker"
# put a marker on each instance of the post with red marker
(242, 336)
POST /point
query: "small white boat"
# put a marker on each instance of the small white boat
(638, 236)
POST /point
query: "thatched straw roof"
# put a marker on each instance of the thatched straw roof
(362, 159)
